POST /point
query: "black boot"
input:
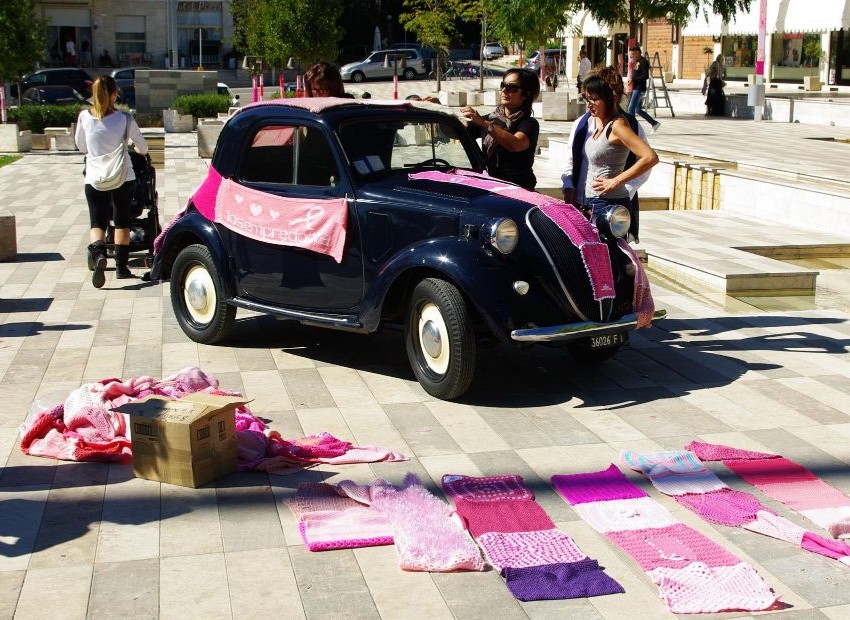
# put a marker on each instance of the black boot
(97, 263)
(122, 254)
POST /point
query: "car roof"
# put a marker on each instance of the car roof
(57, 70)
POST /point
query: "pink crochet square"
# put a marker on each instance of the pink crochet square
(596, 486)
(805, 495)
(698, 588)
(726, 507)
(523, 549)
(618, 515)
(510, 516)
(770, 471)
(318, 497)
(486, 488)
(675, 546)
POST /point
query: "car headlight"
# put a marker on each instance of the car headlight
(504, 235)
(615, 222)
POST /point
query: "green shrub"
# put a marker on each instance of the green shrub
(201, 106)
(37, 117)
(286, 95)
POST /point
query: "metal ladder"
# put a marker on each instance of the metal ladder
(651, 99)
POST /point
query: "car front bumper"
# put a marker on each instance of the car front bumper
(578, 331)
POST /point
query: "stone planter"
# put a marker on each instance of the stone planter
(177, 123)
(208, 132)
(669, 76)
(13, 140)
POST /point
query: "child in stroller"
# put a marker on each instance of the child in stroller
(144, 227)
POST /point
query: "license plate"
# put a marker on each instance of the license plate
(608, 340)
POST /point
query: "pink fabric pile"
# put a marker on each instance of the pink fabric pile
(682, 475)
(693, 573)
(84, 428)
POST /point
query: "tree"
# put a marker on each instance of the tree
(530, 22)
(279, 30)
(22, 44)
(432, 21)
(634, 12)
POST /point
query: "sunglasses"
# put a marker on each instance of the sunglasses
(510, 87)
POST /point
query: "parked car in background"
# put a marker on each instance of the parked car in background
(224, 89)
(78, 79)
(493, 51)
(533, 60)
(126, 80)
(362, 217)
(51, 95)
(408, 63)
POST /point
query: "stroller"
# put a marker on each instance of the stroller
(144, 212)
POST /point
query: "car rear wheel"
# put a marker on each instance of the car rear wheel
(197, 296)
(357, 76)
(440, 338)
(410, 74)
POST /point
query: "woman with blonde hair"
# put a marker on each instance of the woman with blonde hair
(101, 132)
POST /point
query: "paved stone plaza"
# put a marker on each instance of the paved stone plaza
(90, 541)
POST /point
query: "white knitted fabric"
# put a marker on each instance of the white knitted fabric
(775, 526)
(676, 472)
(523, 549)
(835, 520)
(699, 588)
(625, 514)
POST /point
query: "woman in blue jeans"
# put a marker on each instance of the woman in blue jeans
(608, 148)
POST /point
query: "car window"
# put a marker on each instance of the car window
(290, 155)
(379, 57)
(38, 78)
(127, 74)
(386, 146)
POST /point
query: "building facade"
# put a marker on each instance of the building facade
(154, 33)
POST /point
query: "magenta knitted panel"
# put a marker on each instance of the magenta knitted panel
(596, 486)
(508, 516)
(770, 471)
(523, 549)
(674, 546)
(486, 488)
(726, 507)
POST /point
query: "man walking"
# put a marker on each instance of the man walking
(640, 74)
(583, 68)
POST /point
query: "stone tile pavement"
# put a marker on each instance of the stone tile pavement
(90, 541)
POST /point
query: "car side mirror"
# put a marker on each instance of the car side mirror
(236, 97)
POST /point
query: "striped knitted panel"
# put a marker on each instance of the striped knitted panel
(538, 561)
(693, 573)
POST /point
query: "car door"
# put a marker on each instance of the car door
(295, 162)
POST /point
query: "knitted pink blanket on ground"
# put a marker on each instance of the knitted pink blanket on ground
(693, 573)
(84, 428)
(681, 474)
(785, 481)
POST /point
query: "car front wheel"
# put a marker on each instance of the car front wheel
(410, 74)
(197, 296)
(440, 338)
(357, 76)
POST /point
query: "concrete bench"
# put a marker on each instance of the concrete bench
(8, 238)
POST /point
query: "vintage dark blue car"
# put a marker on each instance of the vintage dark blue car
(355, 215)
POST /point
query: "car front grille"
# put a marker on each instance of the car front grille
(567, 263)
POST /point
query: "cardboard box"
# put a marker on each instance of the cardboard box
(188, 441)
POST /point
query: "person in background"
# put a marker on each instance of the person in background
(323, 80)
(509, 132)
(608, 148)
(715, 100)
(574, 174)
(99, 132)
(583, 68)
(85, 53)
(70, 53)
(106, 59)
(638, 79)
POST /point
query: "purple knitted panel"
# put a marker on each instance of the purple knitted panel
(596, 486)
(559, 581)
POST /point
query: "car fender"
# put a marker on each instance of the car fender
(191, 228)
(465, 263)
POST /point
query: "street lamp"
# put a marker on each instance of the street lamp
(395, 60)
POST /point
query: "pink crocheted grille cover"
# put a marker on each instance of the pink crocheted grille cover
(717, 452)
(619, 515)
(486, 488)
(596, 486)
(675, 546)
(770, 471)
(726, 507)
(523, 549)
(698, 588)
(509, 516)
(318, 497)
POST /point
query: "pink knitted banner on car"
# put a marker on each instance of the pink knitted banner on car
(785, 481)
(693, 573)
(682, 475)
(538, 561)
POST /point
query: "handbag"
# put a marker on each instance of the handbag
(108, 171)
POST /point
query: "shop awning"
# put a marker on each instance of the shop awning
(701, 25)
(748, 22)
(589, 27)
(808, 16)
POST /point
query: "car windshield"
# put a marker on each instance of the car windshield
(378, 148)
